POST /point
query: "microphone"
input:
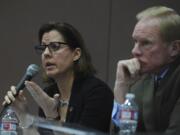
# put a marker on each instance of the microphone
(31, 71)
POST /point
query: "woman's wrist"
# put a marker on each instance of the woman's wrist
(52, 115)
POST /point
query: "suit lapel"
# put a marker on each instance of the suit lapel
(148, 87)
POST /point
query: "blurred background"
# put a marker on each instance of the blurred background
(106, 26)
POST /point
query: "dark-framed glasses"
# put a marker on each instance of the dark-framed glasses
(52, 46)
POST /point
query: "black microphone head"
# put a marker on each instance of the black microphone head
(32, 70)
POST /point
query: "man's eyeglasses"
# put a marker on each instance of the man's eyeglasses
(52, 46)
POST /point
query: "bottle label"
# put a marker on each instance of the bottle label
(8, 126)
(128, 115)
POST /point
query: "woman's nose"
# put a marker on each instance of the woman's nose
(47, 51)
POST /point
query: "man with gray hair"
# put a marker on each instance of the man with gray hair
(153, 74)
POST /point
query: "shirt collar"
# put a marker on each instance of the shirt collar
(161, 74)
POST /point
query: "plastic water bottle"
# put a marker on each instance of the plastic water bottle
(9, 122)
(128, 115)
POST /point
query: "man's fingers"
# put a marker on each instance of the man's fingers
(136, 65)
(132, 65)
(127, 69)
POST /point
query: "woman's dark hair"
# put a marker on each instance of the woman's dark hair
(83, 66)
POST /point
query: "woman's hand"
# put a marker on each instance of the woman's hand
(127, 73)
(17, 101)
(48, 104)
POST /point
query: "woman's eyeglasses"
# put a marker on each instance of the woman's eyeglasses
(52, 46)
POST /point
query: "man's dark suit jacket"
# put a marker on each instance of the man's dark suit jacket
(159, 109)
(90, 103)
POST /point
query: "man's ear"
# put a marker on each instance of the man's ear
(175, 48)
(77, 54)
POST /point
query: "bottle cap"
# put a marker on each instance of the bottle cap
(130, 96)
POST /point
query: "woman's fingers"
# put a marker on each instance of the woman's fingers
(7, 100)
(56, 99)
(34, 89)
(37, 93)
(56, 96)
(47, 103)
(4, 103)
(10, 96)
(13, 89)
(21, 96)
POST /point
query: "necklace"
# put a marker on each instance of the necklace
(63, 103)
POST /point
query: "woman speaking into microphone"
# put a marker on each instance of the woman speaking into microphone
(72, 93)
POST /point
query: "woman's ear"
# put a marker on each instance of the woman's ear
(175, 48)
(77, 54)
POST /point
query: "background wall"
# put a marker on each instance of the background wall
(106, 26)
